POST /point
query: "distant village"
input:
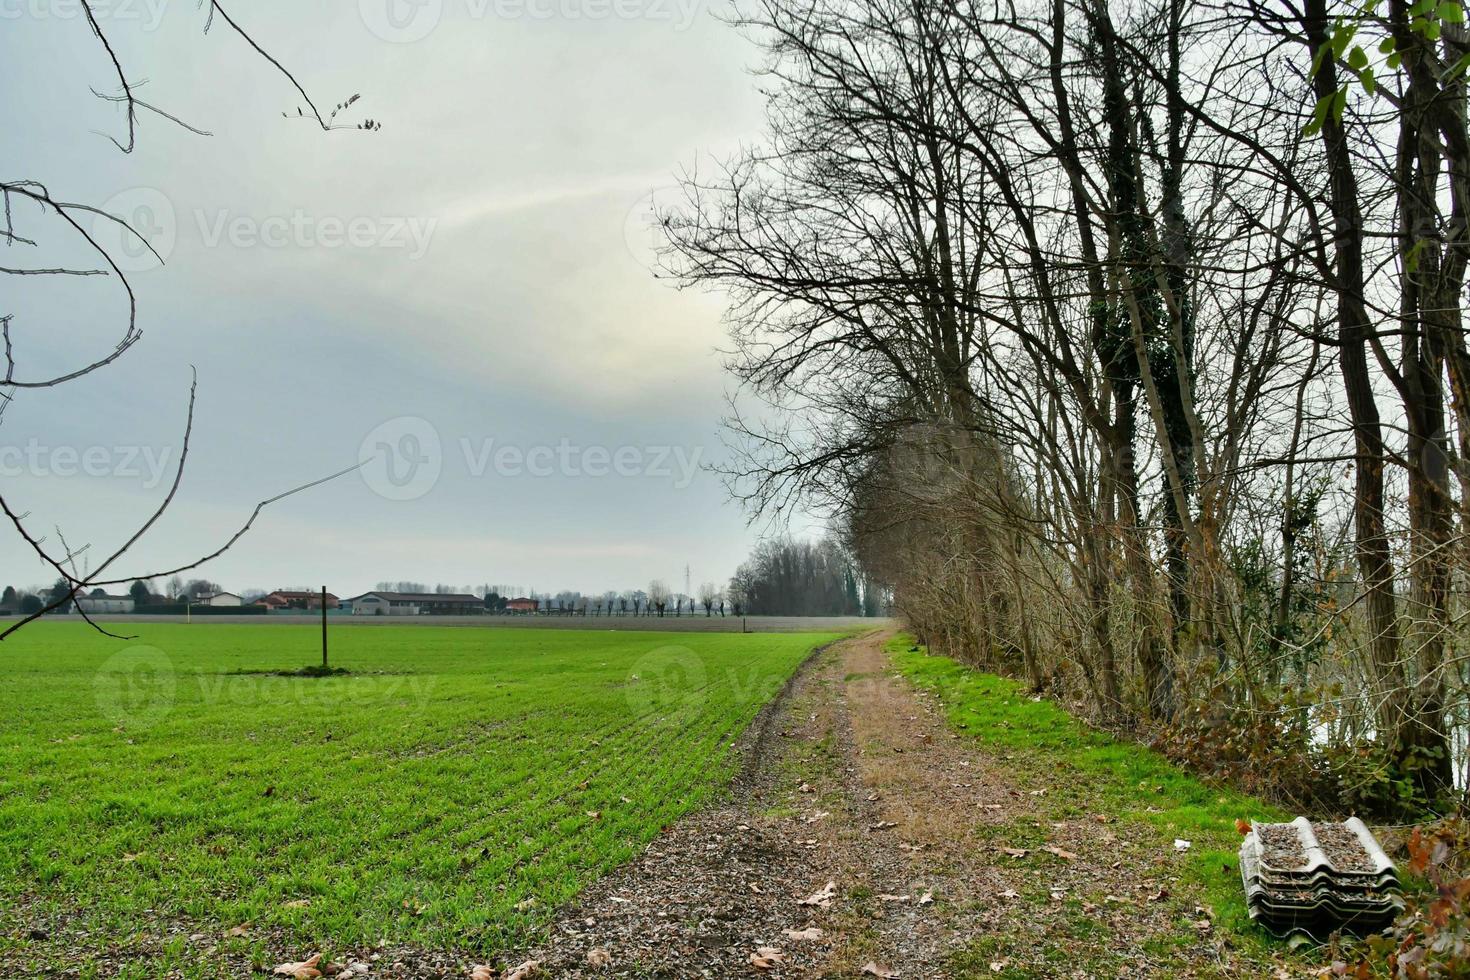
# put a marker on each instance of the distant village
(391, 599)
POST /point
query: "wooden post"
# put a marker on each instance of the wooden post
(324, 627)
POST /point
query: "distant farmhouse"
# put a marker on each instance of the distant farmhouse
(90, 604)
(286, 599)
(521, 606)
(219, 599)
(416, 604)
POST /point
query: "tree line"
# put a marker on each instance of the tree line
(784, 577)
(1123, 341)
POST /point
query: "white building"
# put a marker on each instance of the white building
(219, 599)
(416, 604)
(91, 604)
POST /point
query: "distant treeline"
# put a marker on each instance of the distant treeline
(784, 577)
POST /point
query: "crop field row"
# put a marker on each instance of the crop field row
(449, 791)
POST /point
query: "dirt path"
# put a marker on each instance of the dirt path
(869, 789)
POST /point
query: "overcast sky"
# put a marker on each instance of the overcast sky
(462, 299)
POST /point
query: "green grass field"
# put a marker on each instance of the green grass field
(452, 775)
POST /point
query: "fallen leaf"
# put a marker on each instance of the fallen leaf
(822, 898)
(1159, 895)
(1181, 845)
(874, 970)
(805, 788)
(1015, 852)
(526, 969)
(599, 958)
(239, 930)
(766, 958)
(1010, 893)
(1060, 852)
(996, 966)
(482, 972)
(810, 935)
(304, 970)
(926, 899)
(882, 825)
(1242, 827)
(595, 814)
(894, 898)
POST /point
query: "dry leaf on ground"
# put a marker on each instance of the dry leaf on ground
(811, 934)
(874, 970)
(599, 958)
(526, 969)
(767, 958)
(304, 970)
(822, 898)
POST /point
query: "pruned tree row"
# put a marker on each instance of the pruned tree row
(1125, 342)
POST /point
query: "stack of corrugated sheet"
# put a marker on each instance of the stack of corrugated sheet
(1318, 878)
